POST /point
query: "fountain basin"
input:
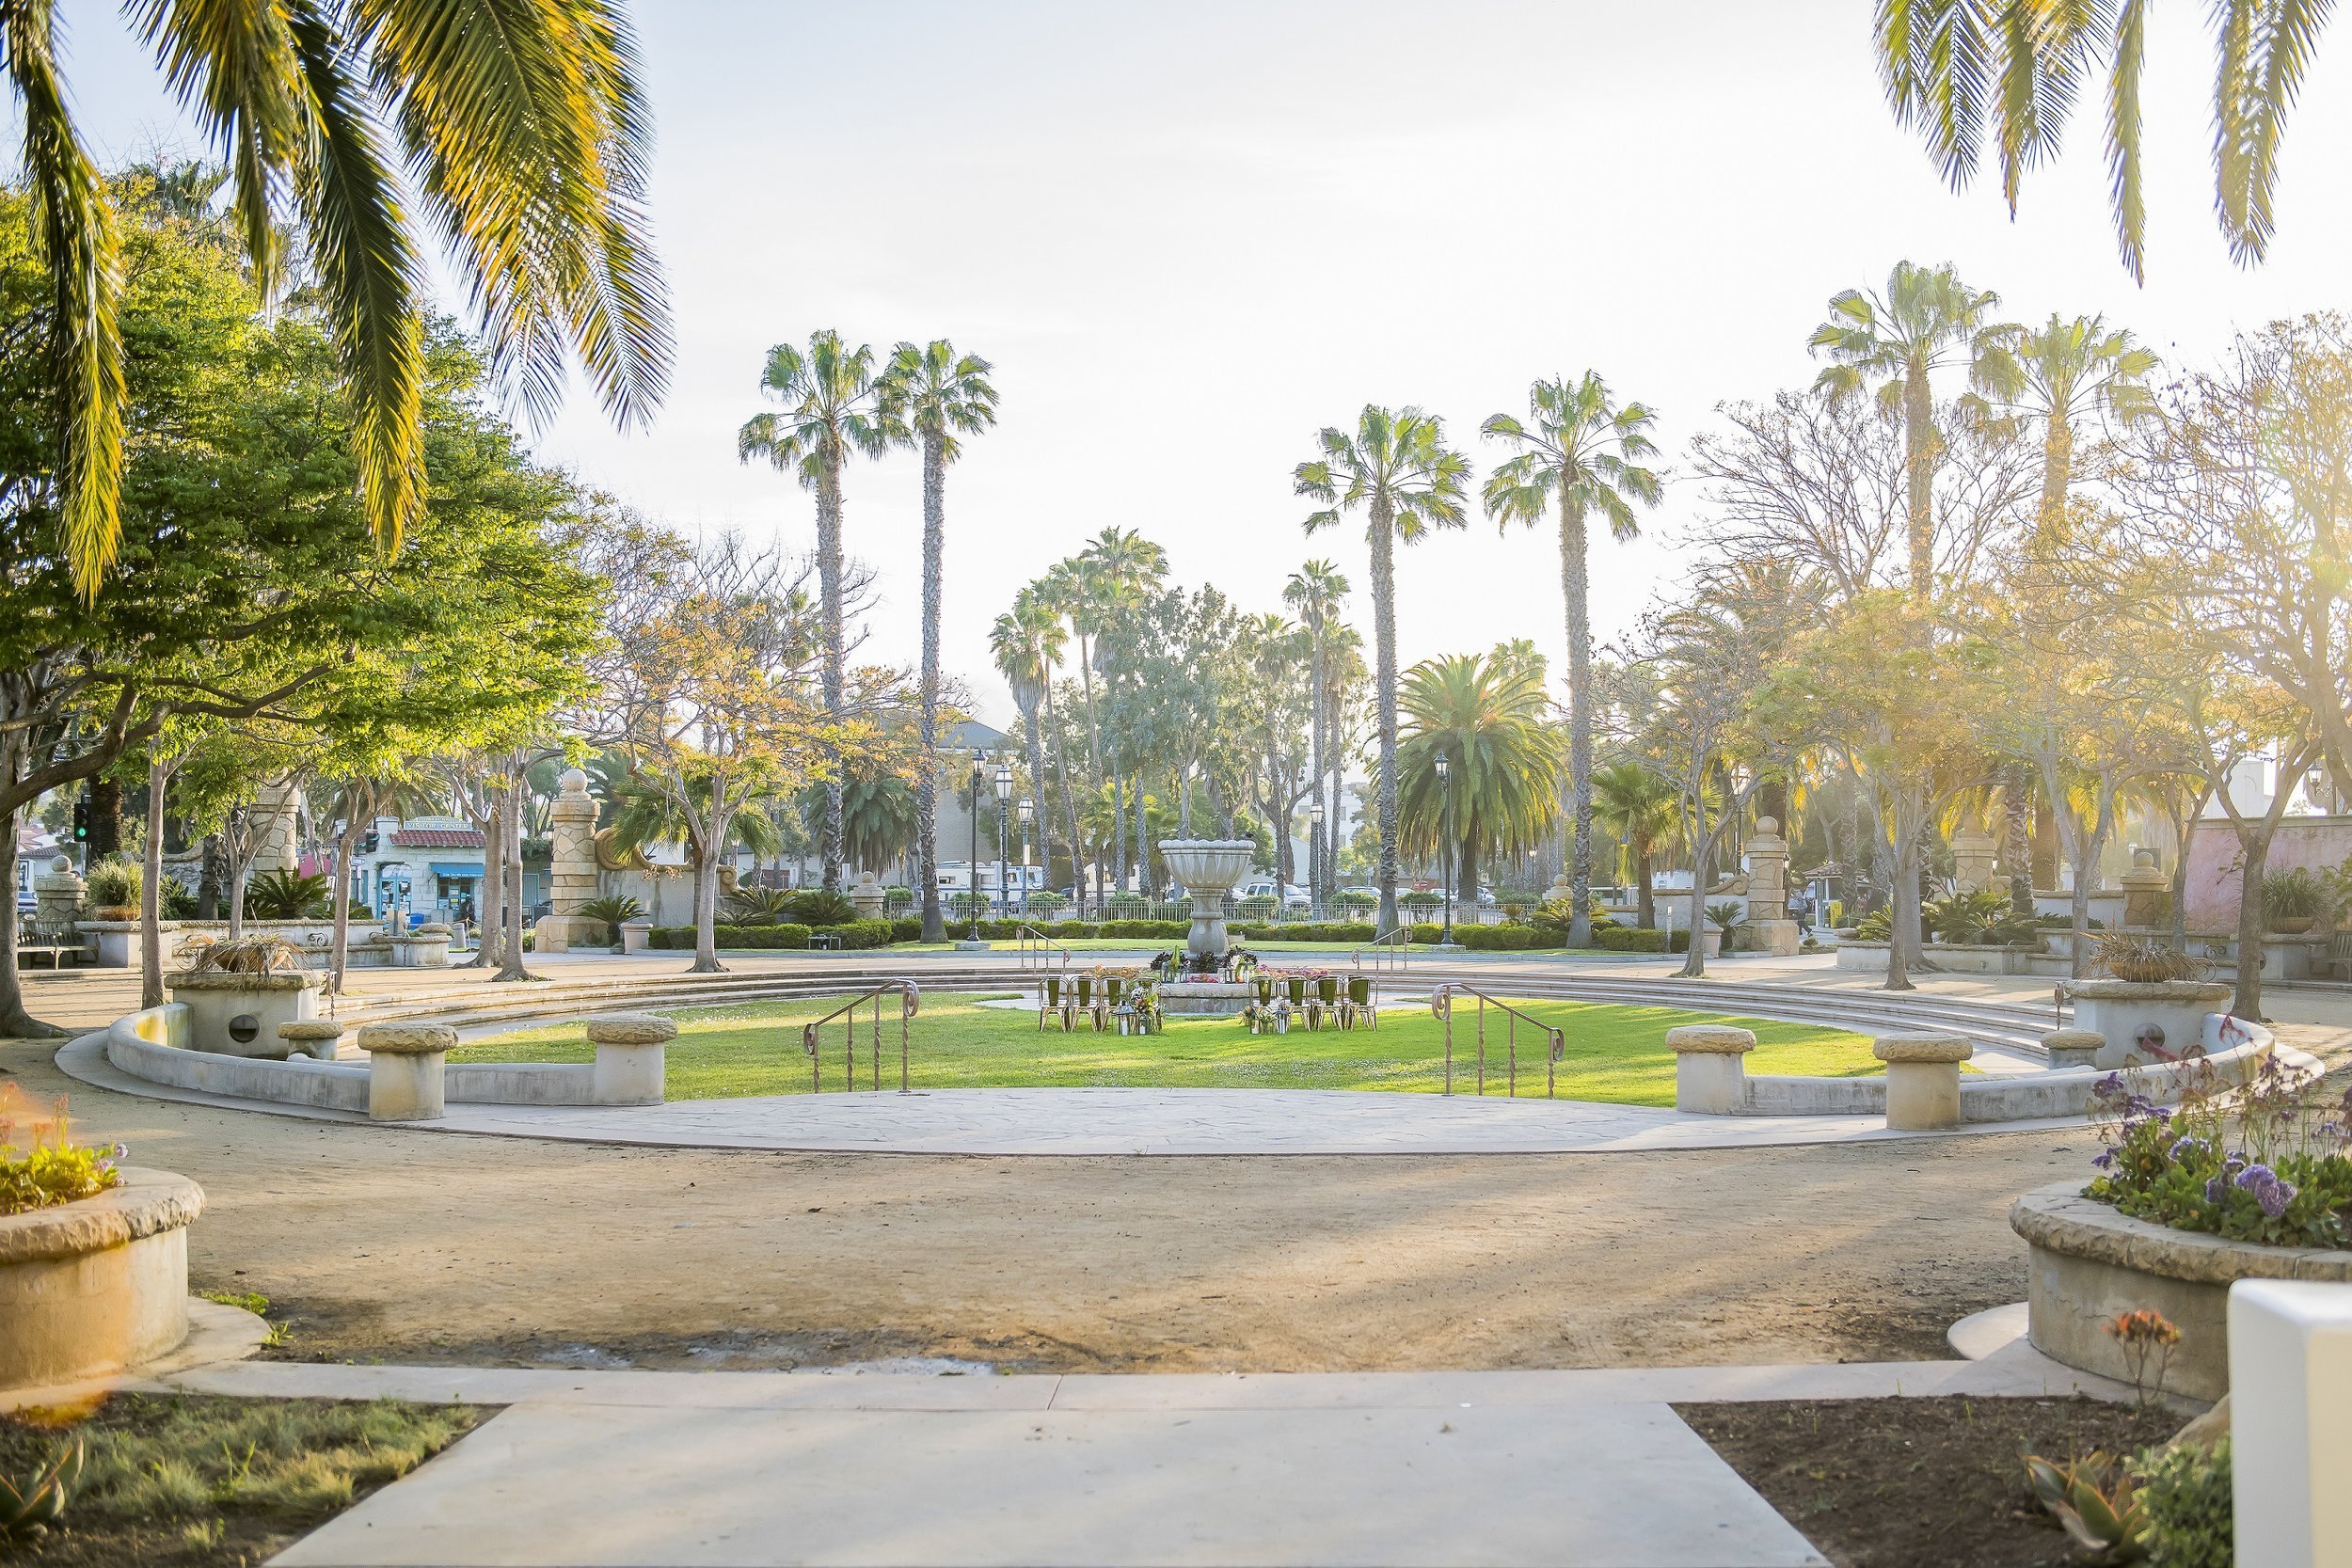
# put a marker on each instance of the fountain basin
(1208, 867)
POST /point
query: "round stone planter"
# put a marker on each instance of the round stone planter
(90, 1288)
(234, 1014)
(2091, 1262)
(2137, 1017)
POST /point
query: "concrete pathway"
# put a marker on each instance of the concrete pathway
(1102, 1121)
(741, 1468)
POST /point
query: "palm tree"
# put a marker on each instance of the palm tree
(525, 142)
(1398, 469)
(1112, 575)
(1580, 452)
(2004, 74)
(933, 395)
(1927, 318)
(1026, 642)
(1486, 717)
(1314, 593)
(2067, 372)
(831, 408)
(1639, 809)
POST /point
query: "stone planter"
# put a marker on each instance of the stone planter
(2091, 1262)
(2136, 1015)
(426, 948)
(237, 1015)
(635, 935)
(87, 1289)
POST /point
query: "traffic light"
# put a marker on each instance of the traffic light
(81, 821)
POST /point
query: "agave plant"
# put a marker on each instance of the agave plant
(40, 1501)
(282, 894)
(2147, 960)
(758, 906)
(815, 906)
(2096, 1502)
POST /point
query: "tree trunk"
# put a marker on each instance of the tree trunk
(1902, 948)
(2253, 837)
(1573, 589)
(1319, 889)
(1920, 485)
(2018, 850)
(490, 928)
(829, 567)
(1644, 901)
(1119, 834)
(1070, 815)
(512, 813)
(926, 795)
(707, 910)
(105, 819)
(15, 1023)
(1039, 815)
(1384, 675)
(1143, 846)
(151, 888)
(1703, 845)
(2057, 473)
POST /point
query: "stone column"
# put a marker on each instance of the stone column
(1972, 859)
(2073, 1048)
(867, 897)
(405, 1069)
(2291, 1423)
(1769, 927)
(572, 868)
(275, 828)
(58, 901)
(1711, 1068)
(2147, 892)
(1922, 1079)
(630, 1050)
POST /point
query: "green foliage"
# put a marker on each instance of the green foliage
(177, 902)
(1727, 917)
(2296, 895)
(2185, 1492)
(1350, 899)
(31, 1506)
(860, 934)
(779, 934)
(114, 882)
(282, 894)
(1878, 926)
(2257, 1159)
(2095, 1500)
(815, 906)
(1980, 919)
(49, 1168)
(610, 911)
(1634, 939)
(757, 906)
(897, 899)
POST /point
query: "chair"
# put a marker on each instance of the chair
(1357, 1005)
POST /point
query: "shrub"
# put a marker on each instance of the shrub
(757, 906)
(2184, 1492)
(2146, 960)
(1044, 906)
(1984, 918)
(785, 934)
(862, 934)
(50, 1167)
(283, 894)
(1878, 926)
(2295, 894)
(1421, 900)
(1636, 939)
(611, 911)
(897, 899)
(115, 883)
(178, 903)
(1353, 900)
(813, 905)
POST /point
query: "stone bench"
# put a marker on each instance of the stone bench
(315, 1038)
(631, 1051)
(1711, 1068)
(1922, 1079)
(2073, 1048)
(404, 1067)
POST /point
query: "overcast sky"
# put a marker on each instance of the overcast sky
(1190, 236)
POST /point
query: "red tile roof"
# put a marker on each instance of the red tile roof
(437, 838)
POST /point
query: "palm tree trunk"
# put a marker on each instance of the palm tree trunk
(1384, 675)
(1920, 481)
(513, 969)
(829, 569)
(1318, 864)
(1043, 818)
(1070, 815)
(2018, 850)
(152, 887)
(2058, 475)
(927, 792)
(1573, 588)
(1144, 848)
(1119, 831)
(1646, 901)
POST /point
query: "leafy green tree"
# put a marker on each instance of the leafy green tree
(1927, 318)
(1486, 718)
(934, 395)
(1314, 593)
(1397, 467)
(522, 139)
(2062, 373)
(833, 408)
(1637, 807)
(1970, 75)
(1026, 642)
(880, 820)
(1578, 454)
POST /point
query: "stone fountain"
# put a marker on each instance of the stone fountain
(1208, 867)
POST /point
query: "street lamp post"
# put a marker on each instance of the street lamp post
(1445, 783)
(1004, 831)
(1029, 814)
(979, 783)
(1314, 859)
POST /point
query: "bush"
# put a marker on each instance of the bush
(178, 903)
(115, 883)
(757, 906)
(1044, 906)
(1323, 930)
(287, 896)
(2185, 1492)
(1636, 939)
(858, 935)
(52, 1168)
(897, 899)
(813, 905)
(786, 934)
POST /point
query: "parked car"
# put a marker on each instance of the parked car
(1293, 896)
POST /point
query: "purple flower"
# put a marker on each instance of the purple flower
(2214, 1189)
(2186, 1145)
(2104, 1158)
(122, 1151)
(2271, 1193)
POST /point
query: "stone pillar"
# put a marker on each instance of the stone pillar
(2291, 1420)
(405, 1069)
(1769, 927)
(867, 897)
(630, 1050)
(1972, 859)
(1922, 1079)
(316, 1038)
(1711, 1068)
(2070, 1048)
(2147, 892)
(277, 828)
(58, 900)
(572, 864)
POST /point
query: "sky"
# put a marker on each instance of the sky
(1189, 237)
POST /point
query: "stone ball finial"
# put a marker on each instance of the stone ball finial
(1768, 825)
(2144, 857)
(62, 865)
(574, 781)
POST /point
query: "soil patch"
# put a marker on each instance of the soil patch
(1919, 1483)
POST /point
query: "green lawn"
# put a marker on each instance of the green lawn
(1614, 1054)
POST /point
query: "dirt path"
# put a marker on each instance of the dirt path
(385, 1245)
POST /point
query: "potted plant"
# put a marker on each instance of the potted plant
(112, 888)
(2145, 961)
(613, 912)
(1295, 987)
(2293, 901)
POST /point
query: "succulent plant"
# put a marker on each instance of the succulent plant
(40, 1501)
(2095, 1501)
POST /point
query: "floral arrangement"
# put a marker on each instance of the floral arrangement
(51, 1168)
(1267, 1017)
(2260, 1159)
(1147, 1005)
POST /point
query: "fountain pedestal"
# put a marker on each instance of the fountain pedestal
(1208, 867)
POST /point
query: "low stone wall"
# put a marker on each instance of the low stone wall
(153, 1045)
(87, 1289)
(521, 1083)
(2091, 1262)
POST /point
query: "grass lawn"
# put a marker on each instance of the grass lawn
(1612, 1053)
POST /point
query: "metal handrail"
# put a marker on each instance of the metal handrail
(1441, 1003)
(1394, 942)
(910, 1001)
(1035, 942)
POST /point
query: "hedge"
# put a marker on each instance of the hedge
(1328, 931)
(782, 935)
(1636, 939)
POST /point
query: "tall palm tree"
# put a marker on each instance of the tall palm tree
(1113, 575)
(1026, 642)
(1314, 594)
(933, 395)
(832, 408)
(1580, 452)
(1485, 716)
(1640, 809)
(2067, 372)
(2004, 74)
(1396, 466)
(525, 142)
(1926, 320)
